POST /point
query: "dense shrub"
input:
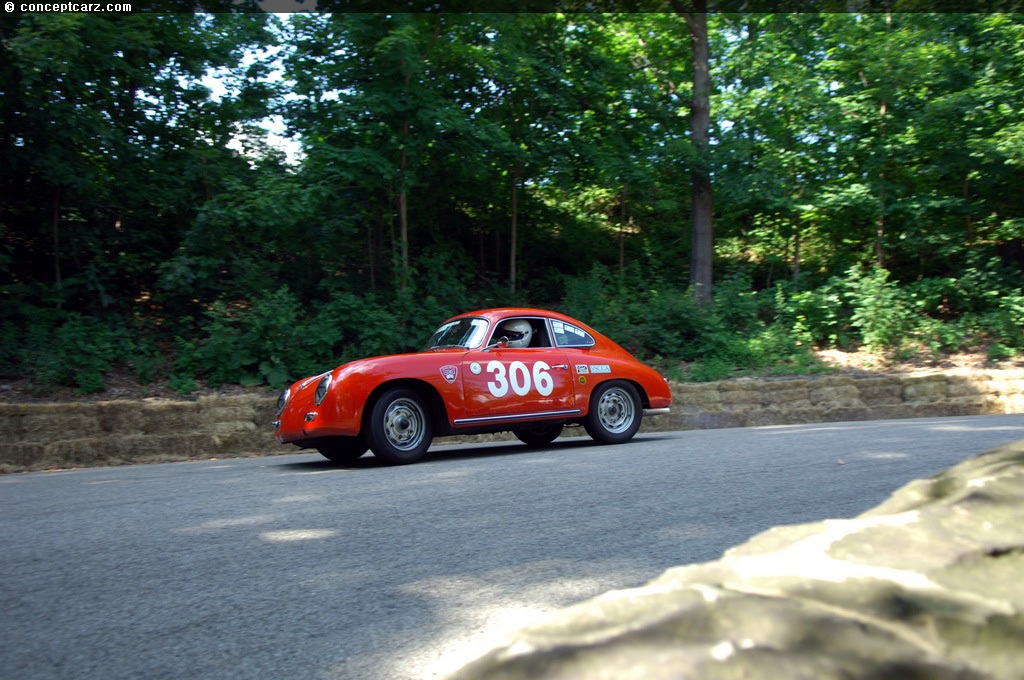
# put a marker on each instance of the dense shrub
(880, 312)
(73, 349)
(661, 323)
(275, 336)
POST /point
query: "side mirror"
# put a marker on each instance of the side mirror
(500, 343)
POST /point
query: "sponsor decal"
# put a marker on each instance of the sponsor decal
(600, 368)
(582, 368)
(449, 373)
(583, 380)
(474, 368)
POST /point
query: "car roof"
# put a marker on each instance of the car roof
(505, 312)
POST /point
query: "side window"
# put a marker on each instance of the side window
(524, 332)
(540, 333)
(567, 335)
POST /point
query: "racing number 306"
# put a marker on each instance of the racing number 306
(517, 376)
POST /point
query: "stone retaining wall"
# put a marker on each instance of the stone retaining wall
(82, 434)
(77, 434)
(753, 402)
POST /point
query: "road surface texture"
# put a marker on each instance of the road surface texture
(292, 567)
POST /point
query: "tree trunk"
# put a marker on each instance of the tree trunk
(880, 224)
(967, 202)
(796, 255)
(403, 235)
(514, 238)
(57, 277)
(702, 233)
(370, 256)
(883, 110)
(403, 213)
(622, 230)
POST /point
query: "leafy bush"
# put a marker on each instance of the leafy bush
(351, 327)
(817, 317)
(655, 320)
(265, 342)
(880, 311)
(276, 337)
(72, 349)
(1008, 320)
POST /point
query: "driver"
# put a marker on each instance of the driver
(518, 332)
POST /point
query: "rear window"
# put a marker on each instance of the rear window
(568, 335)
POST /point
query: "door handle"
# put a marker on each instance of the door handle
(564, 367)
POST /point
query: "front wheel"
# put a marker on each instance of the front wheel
(399, 430)
(540, 434)
(343, 449)
(615, 412)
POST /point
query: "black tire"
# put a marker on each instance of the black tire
(343, 449)
(538, 434)
(399, 429)
(615, 412)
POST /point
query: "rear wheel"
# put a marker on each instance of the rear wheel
(343, 449)
(539, 434)
(615, 412)
(399, 429)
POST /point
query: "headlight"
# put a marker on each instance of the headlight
(321, 389)
(282, 400)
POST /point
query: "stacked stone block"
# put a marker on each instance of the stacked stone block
(59, 435)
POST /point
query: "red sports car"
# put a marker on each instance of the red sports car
(525, 370)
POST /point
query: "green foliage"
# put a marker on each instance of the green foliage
(148, 360)
(816, 317)
(265, 342)
(997, 351)
(354, 327)
(879, 310)
(664, 321)
(182, 384)
(866, 166)
(73, 349)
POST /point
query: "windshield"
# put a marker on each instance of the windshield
(467, 333)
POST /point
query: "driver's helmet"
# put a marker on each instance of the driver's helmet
(518, 332)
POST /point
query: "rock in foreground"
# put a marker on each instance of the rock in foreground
(930, 584)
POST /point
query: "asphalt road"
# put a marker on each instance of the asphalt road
(291, 567)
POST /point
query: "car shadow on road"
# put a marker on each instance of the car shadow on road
(454, 452)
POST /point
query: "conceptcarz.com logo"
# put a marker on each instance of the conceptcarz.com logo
(67, 7)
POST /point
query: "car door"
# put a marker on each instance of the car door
(516, 383)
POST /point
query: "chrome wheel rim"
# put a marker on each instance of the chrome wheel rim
(616, 410)
(404, 424)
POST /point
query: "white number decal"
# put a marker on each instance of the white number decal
(542, 379)
(519, 375)
(520, 384)
(498, 386)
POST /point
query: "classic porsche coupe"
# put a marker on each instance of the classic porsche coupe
(526, 370)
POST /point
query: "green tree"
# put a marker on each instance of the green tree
(110, 144)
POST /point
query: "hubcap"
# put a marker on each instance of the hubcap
(404, 424)
(616, 410)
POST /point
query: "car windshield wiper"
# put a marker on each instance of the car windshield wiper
(448, 347)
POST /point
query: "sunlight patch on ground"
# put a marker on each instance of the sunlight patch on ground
(227, 523)
(482, 610)
(289, 535)
(683, 532)
(299, 498)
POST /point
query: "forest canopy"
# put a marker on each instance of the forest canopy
(867, 175)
